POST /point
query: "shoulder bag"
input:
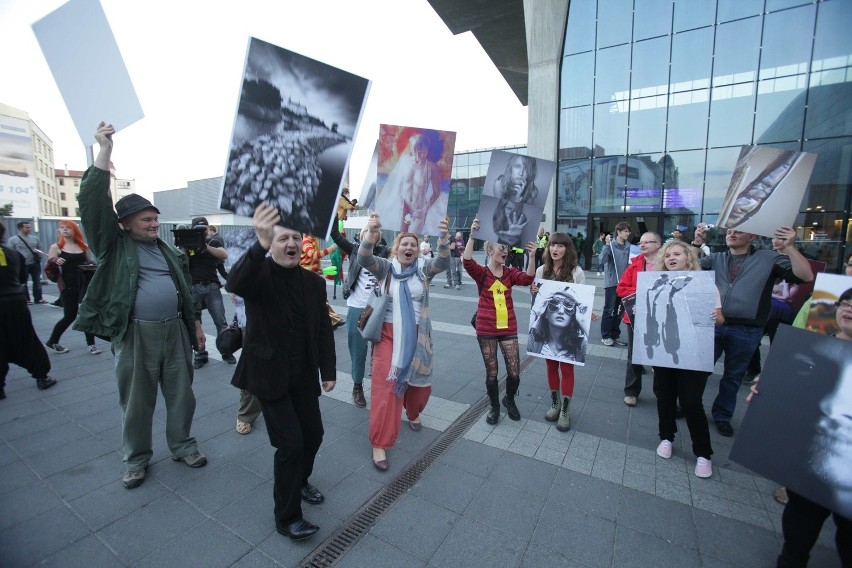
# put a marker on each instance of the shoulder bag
(373, 316)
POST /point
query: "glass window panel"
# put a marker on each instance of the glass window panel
(647, 125)
(720, 168)
(683, 175)
(831, 180)
(484, 157)
(735, 9)
(578, 79)
(460, 172)
(460, 159)
(573, 184)
(731, 115)
(787, 38)
(644, 182)
(612, 77)
(737, 52)
(780, 109)
(829, 112)
(580, 29)
(692, 14)
(607, 193)
(774, 5)
(688, 120)
(610, 135)
(650, 67)
(692, 56)
(652, 18)
(575, 131)
(616, 23)
(833, 42)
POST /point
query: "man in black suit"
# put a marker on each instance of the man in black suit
(288, 337)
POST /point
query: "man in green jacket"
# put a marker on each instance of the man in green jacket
(140, 298)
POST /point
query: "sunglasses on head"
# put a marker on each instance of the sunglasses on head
(556, 305)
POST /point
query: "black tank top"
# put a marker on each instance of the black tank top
(71, 268)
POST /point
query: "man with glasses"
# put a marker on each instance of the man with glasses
(649, 247)
(28, 245)
(744, 277)
(614, 258)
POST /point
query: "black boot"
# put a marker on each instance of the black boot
(494, 395)
(509, 398)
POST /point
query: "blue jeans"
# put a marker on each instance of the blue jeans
(34, 272)
(357, 345)
(738, 343)
(609, 322)
(211, 298)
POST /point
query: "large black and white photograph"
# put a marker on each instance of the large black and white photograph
(560, 320)
(673, 323)
(798, 428)
(766, 189)
(513, 198)
(292, 137)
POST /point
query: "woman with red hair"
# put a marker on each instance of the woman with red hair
(72, 255)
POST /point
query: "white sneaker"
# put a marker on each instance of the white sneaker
(607, 341)
(664, 450)
(93, 350)
(703, 467)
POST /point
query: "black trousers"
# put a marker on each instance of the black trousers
(633, 373)
(801, 524)
(19, 343)
(295, 431)
(70, 306)
(688, 386)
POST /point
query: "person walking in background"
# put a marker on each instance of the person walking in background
(289, 349)
(28, 245)
(357, 287)
(560, 264)
(310, 260)
(614, 258)
(75, 262)
(496, 323)
(671, 385)
(541, 244)
(649, 248)
(454, 272)
(19, 343)
(597, 249)
(249, 408)
(402, 359)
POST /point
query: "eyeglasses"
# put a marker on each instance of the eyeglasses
(501, 248)
(647, 242)
(556, 305)
(845, 304)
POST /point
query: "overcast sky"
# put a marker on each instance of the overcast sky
(186, 60)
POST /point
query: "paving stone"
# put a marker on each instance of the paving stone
(15, 476)
(739, 543)
(376, 553)
(607, 472)
(84, 553)
(475, 435)
(526, 450)
(255, 559)
(642, 483)
(252, 516)
(634, 548)
(473, 544)
(586, 493)
(24, 503)
(49, 439)
(570, 531)
(215, 489)
(40, 536)
(525, 474)
(89, 476)
(541, 557)
(673, 492)
(448, 487)
(547, 455)
(664, 519)
(498, 441)
(208, 544)
(412, 515)
(495, 502)
(578, 464)
(556, 440)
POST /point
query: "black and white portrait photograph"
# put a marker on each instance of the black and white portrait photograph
(292, 137)
(673, 324)
(797, 430)
(766, 189)
(513, 198)
(560, 320)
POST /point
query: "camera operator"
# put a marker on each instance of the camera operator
(205, 284)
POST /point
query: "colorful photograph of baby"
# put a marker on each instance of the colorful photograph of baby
(513, 198)
(560, 320)
(413, 178)
(828, 290)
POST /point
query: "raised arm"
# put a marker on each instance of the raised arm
(801, 266)
(442, 261)
(369, 238)
(96, 209)
(341, 241)
(468, 248)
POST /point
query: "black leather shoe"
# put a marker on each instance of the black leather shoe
(511, 408)
(311, 494)
(45, 383)
(724, 428)
(198, 363)
(299, 530)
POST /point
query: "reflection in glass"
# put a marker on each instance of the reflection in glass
(612, 76)
(691, 14)
(773, 5)
(737, 51)
(829, 112)
(731, 115)
(578, 79)
(688, 120)
(572, 187)
(575, 132)
(720, 166)
(780, 109)
(650, 73)
(735, 9)
(651, 18)
(683, 174)
(644, 182)
(833, 42)
(821, 236)
(580, 29)
(647, 125)
(608, 176)
(830, 180)
(616, 27)
(787, 38)
(692, 55)
(610, 135)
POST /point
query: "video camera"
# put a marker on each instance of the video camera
(190, 238)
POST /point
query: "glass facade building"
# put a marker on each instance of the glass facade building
(658, 96)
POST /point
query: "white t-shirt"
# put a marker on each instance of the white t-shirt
(361, 293)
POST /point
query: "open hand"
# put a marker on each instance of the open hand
(264, 220)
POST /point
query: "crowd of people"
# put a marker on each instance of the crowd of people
(287, 328)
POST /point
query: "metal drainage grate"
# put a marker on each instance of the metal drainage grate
(332, 549)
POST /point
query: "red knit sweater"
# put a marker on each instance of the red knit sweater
(495, 314)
